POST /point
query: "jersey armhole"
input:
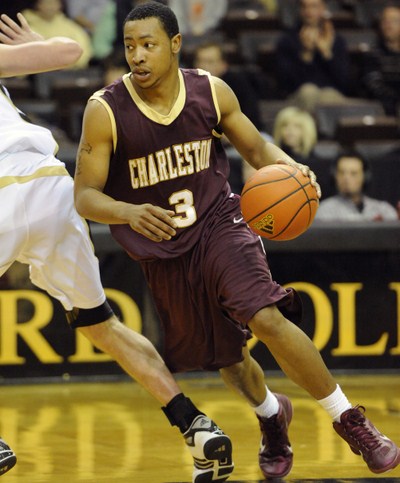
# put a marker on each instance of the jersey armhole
(97, 97)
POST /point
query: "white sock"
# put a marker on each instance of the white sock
(335, 404)
(269, 407)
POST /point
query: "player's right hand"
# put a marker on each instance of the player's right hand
(13, 34)
(153, 222)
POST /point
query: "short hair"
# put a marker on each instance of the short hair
(158, 10)
(350, 152)
(308, 124)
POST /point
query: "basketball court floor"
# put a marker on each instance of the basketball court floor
(114, 432)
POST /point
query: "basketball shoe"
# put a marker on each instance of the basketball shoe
(211, 450)
(7, 457)
(275, 456)
(378, 451)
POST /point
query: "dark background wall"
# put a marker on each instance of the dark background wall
(348, 276)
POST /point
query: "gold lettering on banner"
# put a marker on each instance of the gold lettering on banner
(395, 286)
(347, 324)
(130, 315)
(28, 331)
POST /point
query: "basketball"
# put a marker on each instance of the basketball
(278, 202)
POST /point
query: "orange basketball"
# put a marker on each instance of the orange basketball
(278, 202)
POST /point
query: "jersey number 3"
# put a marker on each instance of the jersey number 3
(183, 203)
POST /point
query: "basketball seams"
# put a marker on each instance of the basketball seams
(265, 183)
(282, 199)
(308, 203)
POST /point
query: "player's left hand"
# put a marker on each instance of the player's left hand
(13, 34)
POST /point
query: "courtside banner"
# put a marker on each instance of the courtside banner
(349, 280)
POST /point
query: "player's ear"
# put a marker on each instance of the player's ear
(176, 43)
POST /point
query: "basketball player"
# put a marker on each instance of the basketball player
(151, 165)
(40, 227)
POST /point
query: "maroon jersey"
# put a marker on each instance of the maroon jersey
(174, 161)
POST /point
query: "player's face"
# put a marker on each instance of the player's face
(150, 53)
(350, 176)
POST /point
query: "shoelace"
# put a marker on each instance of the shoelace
(359, 430)
(275, 435)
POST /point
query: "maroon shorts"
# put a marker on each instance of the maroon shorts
(206, 297)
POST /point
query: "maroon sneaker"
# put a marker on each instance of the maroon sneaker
(275, 456)
(378, 451)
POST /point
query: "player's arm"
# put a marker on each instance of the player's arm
(92, 167)
(23, 51)
(246, 138)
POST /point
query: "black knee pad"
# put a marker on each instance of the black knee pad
(84, 317)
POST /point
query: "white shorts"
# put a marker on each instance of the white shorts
(40, 226)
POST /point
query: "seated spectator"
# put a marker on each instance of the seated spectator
(115, 66)
(295, 131)
(312, 60)
(47, 18)
(197, 17)
(87, 14)
(98, 18)
(351, 173)
(209, 56)
(382, 65)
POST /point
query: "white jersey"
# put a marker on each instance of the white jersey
(39, 224)
(24, 147)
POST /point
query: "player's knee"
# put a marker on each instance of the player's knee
(267, 322)
(86, 317)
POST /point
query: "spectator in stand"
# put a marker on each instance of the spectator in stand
(382, 65)
(351, 174)
(87, 14)
(295, 131)
(46, 17)
(313, 62)
(98, 18)
(114, 66)
(198, 17)
(210, 57)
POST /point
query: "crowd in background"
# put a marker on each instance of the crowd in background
(298, 67)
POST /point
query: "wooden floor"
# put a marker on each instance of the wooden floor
(114, 432)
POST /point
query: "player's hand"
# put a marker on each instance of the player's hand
(13, 34)
(305, 170)
(153, 222)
